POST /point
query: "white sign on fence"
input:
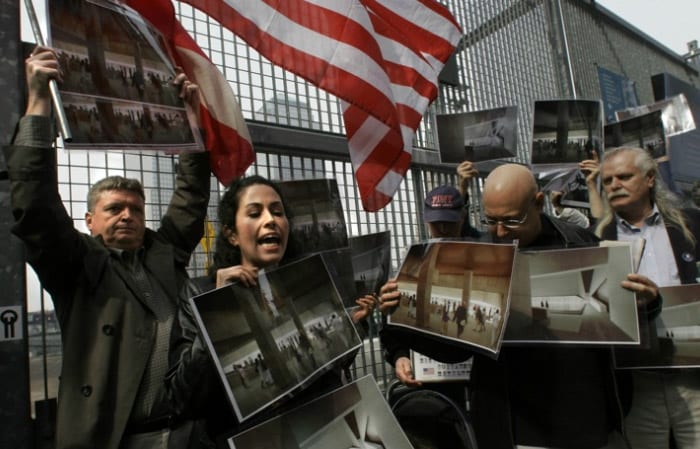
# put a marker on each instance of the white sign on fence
(11, 323)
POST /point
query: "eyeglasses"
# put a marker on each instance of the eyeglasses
(510, 223)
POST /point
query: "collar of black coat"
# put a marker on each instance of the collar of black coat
(556, 233)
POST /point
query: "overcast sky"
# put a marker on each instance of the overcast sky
(673, 23)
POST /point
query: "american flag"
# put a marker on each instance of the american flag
(380, 57)
(226, 133)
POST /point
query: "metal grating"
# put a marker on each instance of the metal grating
(511, 54)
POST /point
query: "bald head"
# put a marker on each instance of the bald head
(511, 179)
(510, 195)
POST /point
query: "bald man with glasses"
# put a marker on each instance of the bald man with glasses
(559, 397)
(513, 207)
(540, 396)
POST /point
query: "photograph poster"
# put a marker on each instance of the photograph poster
(682, 148)
(117, 88)
(339, 264)
(355, 416)
(371, 261)
(571, 183)
(676, 115)
(428, 370)
(642, 131)
(458, 290)
(674, 334)
(317, 222)
(271, 341)
(478, 136)
(573, 295)
(565, 132)
(636, 247)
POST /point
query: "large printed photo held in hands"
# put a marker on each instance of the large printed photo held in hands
(572, 296)
(354, 416)
(119, 85)
(458, 290)
(271, 340)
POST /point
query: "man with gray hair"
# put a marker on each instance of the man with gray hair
(640, 206)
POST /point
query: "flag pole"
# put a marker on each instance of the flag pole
(53, 86)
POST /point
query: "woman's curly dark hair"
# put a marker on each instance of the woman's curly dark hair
(225, 254)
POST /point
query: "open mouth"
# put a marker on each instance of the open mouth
(272, 240)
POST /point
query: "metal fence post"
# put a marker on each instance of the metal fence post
(15, 412)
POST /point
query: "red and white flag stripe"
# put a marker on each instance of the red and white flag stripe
(226, 133)
(380, 57)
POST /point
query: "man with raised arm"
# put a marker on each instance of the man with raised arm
(115, 290)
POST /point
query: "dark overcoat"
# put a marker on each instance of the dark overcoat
(107, 327)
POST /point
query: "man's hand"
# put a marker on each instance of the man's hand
(465, 172)
(590, 168)
(404, 372)
(40, 67)
(389, 295)
(189, 92)
(645, 289)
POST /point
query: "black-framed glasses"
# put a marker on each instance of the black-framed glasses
(510, 223)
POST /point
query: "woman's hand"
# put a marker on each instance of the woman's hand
(237, 273)
(366, 305)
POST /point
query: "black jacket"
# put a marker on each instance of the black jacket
(554, 396)
(195, 388)
(687, 256)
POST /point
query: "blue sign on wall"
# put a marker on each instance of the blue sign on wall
(617, 92)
